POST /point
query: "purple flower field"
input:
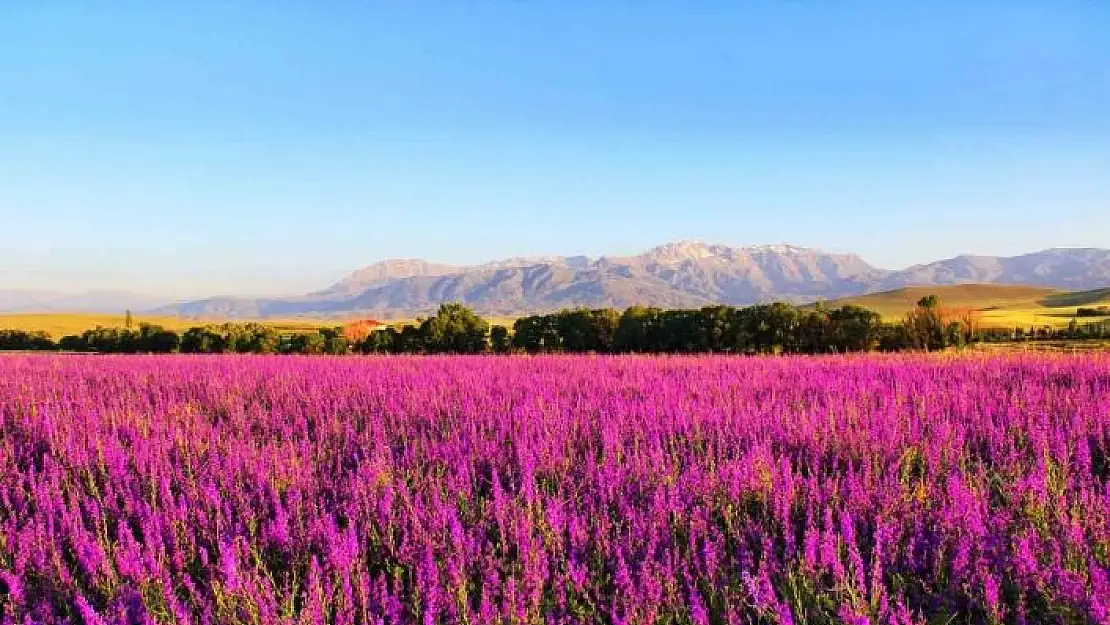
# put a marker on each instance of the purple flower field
(482, 490)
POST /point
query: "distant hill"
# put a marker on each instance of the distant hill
(1079, 298)
(35, 301)
(1000, 305)
(1070, 269)
(681, 274)
(977, 296)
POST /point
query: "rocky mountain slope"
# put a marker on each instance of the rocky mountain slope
(681, 274)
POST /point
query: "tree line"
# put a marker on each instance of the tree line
(761, 329)
(776, 328)
(1093, 311)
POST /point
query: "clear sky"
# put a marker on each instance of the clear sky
(261, 147)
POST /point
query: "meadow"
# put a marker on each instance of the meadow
(58, 325)
(550, 490)
(996, 305)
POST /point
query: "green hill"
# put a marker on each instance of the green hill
(1079, 298)
(1000, 305)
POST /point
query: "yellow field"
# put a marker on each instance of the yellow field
(58, 325)
(61, 324)
(999, 305)
(1042, 346)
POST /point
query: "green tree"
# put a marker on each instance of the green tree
(769, 328)
(681, 331)
(715, 322)
(110, 340)
(73, 343)
(335, 342)
(575, 331)
(815, 331)
(203, 340)
(640, 329)
(581, 330)
(25, 341)
(499, 340)
(382, 341)
(929, 301)
(307, 343)
(926, 326)
(895, 337)
(259, 338)
(156, 340)
(410, 341)
(455, 329)
(853, 329)
(537, 334)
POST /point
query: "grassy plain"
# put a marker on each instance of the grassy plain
(999, 305)
(61, 324)
(58, 325)
(1063, 345)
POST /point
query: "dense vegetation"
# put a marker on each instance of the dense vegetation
(668, 491)
(1096, 311)
(761, 329)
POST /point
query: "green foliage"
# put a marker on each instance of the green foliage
(383, 341)
(854, 328)
(156, 340)
(455, 329)
(775, 328)
(579, 330)
(21, 340)
(769, 328)
(499, 340)
(335, 343)
(537, 334)
(895, 337)
(147, 339)
(226, 338)
(929, 302)
(640, 329)
(72, 343)
(202, 340)
(925, 325)
(761, 329)
(410, 341)
(308, 343)
(583, 330)
(1099, 311)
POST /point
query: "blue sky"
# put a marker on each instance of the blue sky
(195, 148)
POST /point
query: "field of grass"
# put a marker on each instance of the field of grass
(61, 324)
(901, 490)
(1079, 298)
(58, 325)
(999, 305)
(1057, 346)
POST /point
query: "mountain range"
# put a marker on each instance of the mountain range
(680, 274)
(42, 301)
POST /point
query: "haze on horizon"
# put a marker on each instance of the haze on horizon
(202, 148)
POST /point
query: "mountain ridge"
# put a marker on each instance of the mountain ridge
(686, 273)
(93, 301)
